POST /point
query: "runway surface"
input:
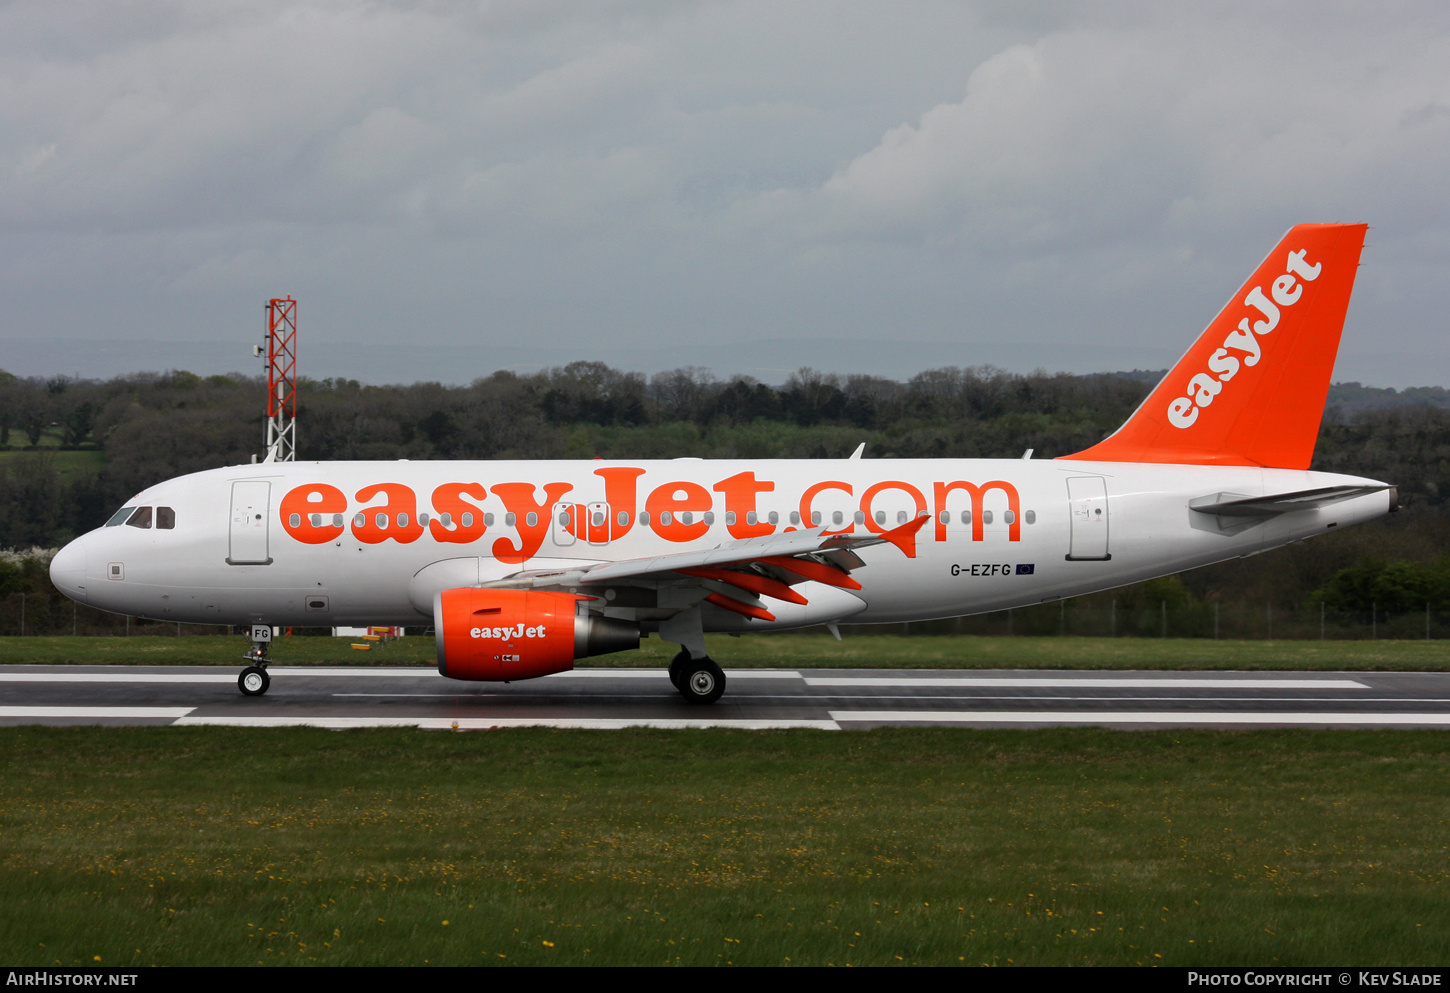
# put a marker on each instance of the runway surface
(827, 699)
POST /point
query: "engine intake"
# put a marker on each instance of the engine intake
(502, 635)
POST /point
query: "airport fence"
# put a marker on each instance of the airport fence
(1242, 620)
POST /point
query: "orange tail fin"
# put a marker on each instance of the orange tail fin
(1251, 390)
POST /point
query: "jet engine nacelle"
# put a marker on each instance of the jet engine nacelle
(502, 635)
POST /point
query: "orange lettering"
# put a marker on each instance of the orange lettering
(810, 494)
(619, 493)
(382, 523)
(519, 499)
(313, 498)
(448, 499)
(1014, 504)
(740, 492)
(674, 499)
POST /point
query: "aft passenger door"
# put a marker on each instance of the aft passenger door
(249, 517)
(1088, 498)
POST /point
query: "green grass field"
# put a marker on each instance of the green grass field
(134, 846)
(806, 650)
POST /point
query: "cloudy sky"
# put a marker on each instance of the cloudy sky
(870, 187)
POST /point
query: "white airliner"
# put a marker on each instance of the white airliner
(524, 567)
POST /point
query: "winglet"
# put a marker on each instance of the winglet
(904, 536)
(1251, 390)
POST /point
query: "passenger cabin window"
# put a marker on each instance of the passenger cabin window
(119, 517)
(140, 519)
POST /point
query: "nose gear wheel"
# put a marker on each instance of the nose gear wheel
(253, 681)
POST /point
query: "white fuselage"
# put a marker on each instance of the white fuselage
(262, 543)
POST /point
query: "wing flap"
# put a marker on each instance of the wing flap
(765, 566)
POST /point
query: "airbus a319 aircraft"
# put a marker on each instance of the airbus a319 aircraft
(524, 567)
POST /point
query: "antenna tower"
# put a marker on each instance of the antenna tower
(281, 380)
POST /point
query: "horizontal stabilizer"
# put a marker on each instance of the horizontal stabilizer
(1236, 505)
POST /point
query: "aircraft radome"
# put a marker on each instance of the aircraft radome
(524, 567)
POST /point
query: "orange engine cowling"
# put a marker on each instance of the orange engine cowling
(519, 634)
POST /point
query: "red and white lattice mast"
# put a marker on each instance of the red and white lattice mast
(281, 380)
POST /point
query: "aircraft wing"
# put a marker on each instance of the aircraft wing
(736, 574)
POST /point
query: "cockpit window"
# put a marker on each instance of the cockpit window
(119, 517)
(140, 519)
(165, 518)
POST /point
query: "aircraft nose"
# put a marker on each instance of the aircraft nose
(68, 571)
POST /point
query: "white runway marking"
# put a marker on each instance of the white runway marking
(1128, 717)
(1092, 682)
(664, 674)
(422, 673)
(116, 677)
(170, 713)
(321, 670)
(483, 723)
(230, 676)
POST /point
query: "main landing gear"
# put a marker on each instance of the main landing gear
(698, 680)
(254, 679)
(694, 673)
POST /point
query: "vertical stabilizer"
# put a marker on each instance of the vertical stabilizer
(1251, 390)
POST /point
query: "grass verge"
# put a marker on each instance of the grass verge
(805, 650)
(212, 846)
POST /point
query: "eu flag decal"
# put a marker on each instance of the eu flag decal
(1025, 569)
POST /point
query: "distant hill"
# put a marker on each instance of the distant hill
(1348, 399)
(1351, 398)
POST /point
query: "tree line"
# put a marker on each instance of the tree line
(72, 450)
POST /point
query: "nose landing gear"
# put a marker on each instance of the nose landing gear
(254, 679)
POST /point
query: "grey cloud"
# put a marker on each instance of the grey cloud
(608, 175)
